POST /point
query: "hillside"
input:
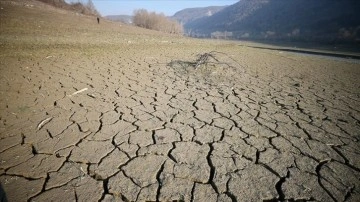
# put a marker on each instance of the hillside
(42, 26)
(297, 20)
(87, 8)
(190, 14)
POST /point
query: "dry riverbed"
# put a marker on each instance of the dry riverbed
(111, 112)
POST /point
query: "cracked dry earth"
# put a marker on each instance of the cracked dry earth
(121, 124)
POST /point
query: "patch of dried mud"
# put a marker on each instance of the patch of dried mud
(274, 127)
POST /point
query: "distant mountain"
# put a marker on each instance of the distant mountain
(190, 14)
(120, 18)
(297, 20)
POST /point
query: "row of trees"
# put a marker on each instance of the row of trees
(221, 35)
(154, 21)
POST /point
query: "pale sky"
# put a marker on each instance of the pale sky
(168, 7)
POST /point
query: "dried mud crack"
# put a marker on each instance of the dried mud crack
(122, 114)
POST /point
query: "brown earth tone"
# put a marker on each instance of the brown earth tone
(111, 112)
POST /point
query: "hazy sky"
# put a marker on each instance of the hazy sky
(168, 7)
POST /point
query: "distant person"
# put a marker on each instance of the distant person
(98, 19)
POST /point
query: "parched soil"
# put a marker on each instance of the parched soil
(112, 112)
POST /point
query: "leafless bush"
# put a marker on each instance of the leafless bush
(213, 58)
(212, 67)
(154, 21)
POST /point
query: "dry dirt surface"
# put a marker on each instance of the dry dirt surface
(111, 112)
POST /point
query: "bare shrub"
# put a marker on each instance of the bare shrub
(154, 21)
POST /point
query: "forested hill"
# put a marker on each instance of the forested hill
(190, 14)
(299, 20)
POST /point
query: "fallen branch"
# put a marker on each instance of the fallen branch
(205, 59)
(79, 91)
(43, 122)
(202, 59)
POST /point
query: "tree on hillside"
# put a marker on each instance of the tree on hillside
(140, 18)
(154, 21)
(90, 5)
(82, 6)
